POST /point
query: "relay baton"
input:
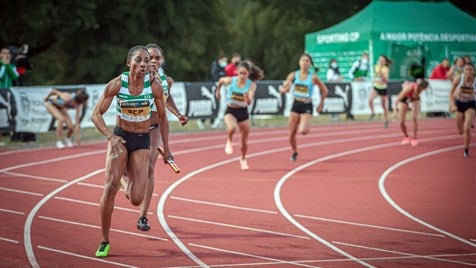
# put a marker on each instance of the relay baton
(171, 163)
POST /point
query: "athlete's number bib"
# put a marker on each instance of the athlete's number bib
(135, 110)
(301, 89)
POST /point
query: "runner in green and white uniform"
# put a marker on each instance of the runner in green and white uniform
(128, 147)
(156, 58)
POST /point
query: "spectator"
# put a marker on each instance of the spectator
(217, 69)
(467, 59)
(358, 72)
(440, 70)
(333, 73)
(8, 71)
(360, 68)
(8, 74)
(456, 69)
(21, 61)
(232, 68)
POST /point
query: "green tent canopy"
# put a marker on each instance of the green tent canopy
(414, 35)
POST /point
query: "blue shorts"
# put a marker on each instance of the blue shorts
(134, 141)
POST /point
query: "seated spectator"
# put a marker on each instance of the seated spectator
(57, 102)
(440, 70)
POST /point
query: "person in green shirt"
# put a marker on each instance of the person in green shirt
(8, 73)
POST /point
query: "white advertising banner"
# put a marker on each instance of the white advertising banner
(436, 97)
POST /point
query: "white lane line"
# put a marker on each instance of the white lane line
(9, 240)
(27, 230)
(52, 160)
(97, 204)
(101, 186)
(92, 185)
(16, 174)
(367, 225)
(284, 212)
(383, 191)
(86, 257)
(237, 227)
(18, 151)
(12, 211)
(99, 227)
(20, 191)
(274, 260)
(222, 205)
(404, 253)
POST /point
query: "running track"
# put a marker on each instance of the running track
(354, 198)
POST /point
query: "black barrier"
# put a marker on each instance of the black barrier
(339, 98)
(201, 101)
(268, 100)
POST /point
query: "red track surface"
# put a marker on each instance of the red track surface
(354, 198)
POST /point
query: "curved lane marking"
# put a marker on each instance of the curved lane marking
(29, 220)
(383, 191)
(279, 185)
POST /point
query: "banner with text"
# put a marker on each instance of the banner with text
(22, 109)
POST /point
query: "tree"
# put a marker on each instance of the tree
(86, 41)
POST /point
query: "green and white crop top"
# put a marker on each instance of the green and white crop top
(165, 86)
(134, 108)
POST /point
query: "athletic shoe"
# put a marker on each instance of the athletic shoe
(228, 147)
(371, 117)
(244, 164)
(2, 143)
(69, 143)
(103, 250)
(466, 153)
(385, 124)
(405, 140)
(143, 224)
(294, 156)
(60, 145)
(414, 142)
